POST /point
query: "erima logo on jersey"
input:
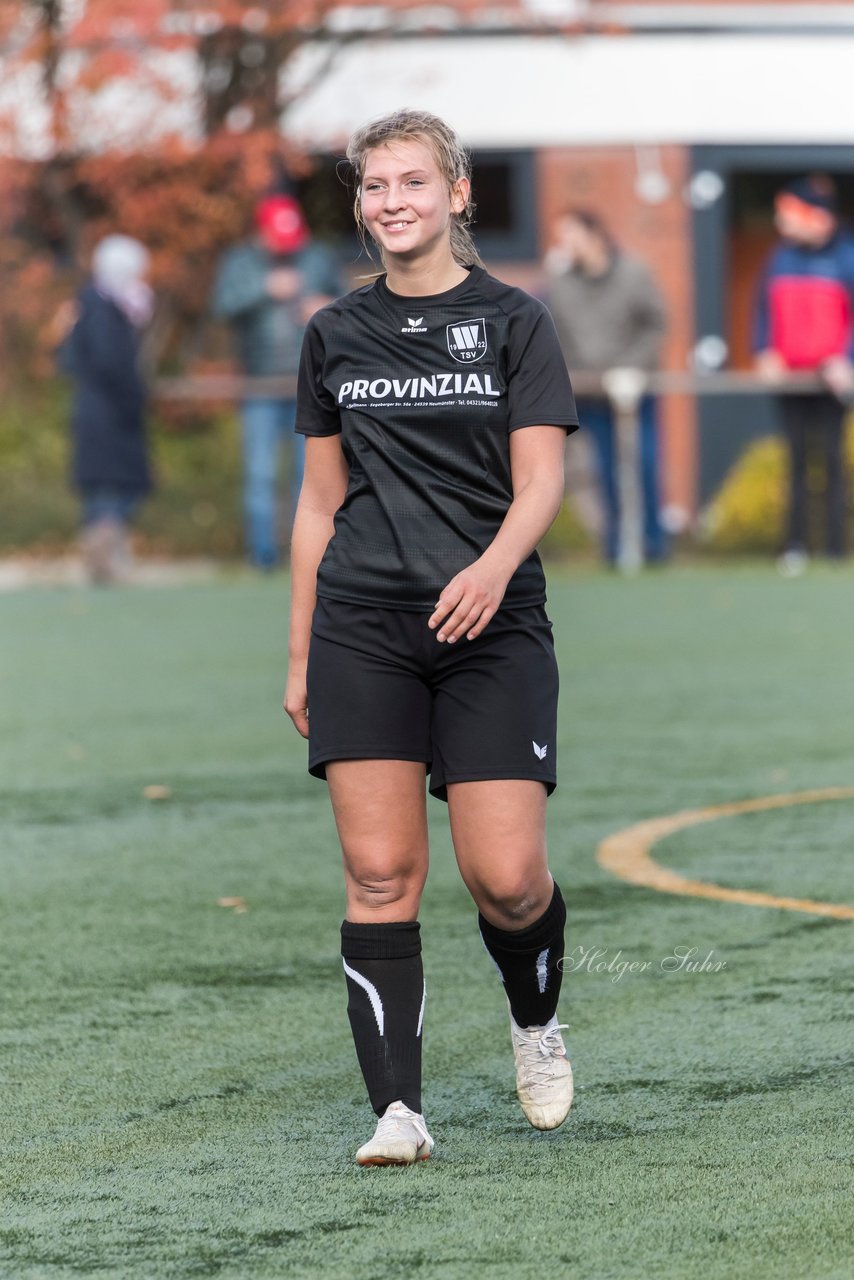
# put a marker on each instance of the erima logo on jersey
(467, 342)
(539, 752)
(414, 326)
(420, 388)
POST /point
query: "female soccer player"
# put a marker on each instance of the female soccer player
(436, 404)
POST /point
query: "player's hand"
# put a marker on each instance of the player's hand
(63, 321)
(296, 699)
(770, 366)
(284, 283)
(468, 602)
(838, 373)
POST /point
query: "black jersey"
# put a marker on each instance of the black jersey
(425, 392)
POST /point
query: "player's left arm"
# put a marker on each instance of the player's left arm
(838, 370)
(473, 596)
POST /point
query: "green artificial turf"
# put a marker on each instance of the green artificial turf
(180, 1095)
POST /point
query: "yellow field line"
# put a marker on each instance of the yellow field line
(626, 853)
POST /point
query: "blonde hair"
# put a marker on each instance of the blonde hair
(451, 157)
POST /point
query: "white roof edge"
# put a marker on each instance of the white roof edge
(585, 90)
(757, 17)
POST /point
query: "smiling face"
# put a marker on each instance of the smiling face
(407, 202)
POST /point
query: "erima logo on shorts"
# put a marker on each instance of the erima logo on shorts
(414, 326)
(467, 342)
(539, 752)
(421, 388)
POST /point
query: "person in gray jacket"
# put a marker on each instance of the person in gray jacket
(609, 314)
(267, 288)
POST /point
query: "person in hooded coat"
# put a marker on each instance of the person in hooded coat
(110, 466)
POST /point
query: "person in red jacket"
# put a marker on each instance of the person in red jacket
(804, 322)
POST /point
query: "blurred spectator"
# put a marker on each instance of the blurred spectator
(803, 322)
(110, 464)
(609, 315)
(268, 288)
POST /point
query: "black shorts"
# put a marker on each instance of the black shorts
(382, 687)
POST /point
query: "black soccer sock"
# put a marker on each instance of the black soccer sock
(385, 985)
(528, 961)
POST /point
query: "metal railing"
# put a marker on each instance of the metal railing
(623, 388)
(230, 386)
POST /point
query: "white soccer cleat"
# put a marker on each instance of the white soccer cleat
(543, 1073)
(401, 1138)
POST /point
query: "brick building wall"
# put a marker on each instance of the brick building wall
(604, 178)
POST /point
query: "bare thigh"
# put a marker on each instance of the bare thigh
(380, 811)
(499, 834)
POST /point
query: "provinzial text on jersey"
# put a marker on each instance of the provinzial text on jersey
(419, 388)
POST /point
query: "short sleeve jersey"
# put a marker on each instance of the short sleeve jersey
(425, 392)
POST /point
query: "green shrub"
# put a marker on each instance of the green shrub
(748, 510)
(197, 506)
(196, 509)
(748, 514)
(566, 534)
(36, 505)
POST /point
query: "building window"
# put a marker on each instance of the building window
(505, 194)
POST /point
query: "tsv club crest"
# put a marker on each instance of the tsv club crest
(467, 340)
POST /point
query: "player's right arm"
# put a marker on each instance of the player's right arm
(767, 362)
(323, 488)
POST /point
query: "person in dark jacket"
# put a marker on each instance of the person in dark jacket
(267, 288)
(110, 460)
(610, 315)
(804, 322)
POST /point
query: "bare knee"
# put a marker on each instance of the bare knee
(380, 890)
(376, 889)
(512, 904)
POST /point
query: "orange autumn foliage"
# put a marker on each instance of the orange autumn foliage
(185, 199)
